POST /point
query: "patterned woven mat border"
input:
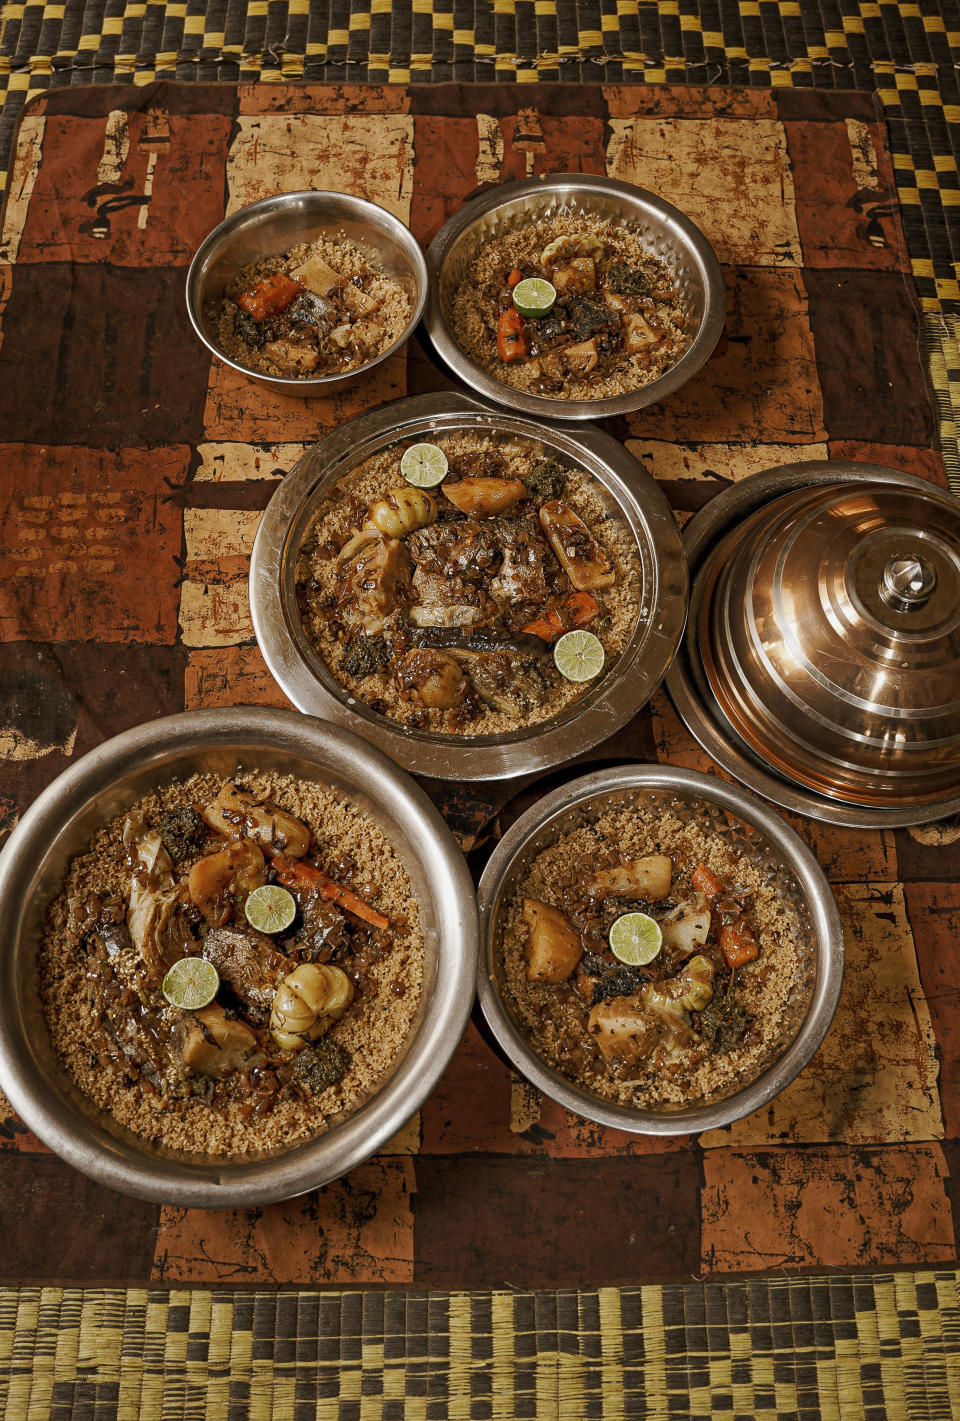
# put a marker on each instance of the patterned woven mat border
(875, 1346)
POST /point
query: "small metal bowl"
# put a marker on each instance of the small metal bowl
(274, 225)
(628, 493)
(665, 232)
(103, 784)
(746, 825)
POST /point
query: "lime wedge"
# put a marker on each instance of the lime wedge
(191, 983)
(424, 465)
(635, 939)
(534, 297)
(270, 909)
(578, 656)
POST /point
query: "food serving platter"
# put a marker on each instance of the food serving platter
(665, 232)
(687, 682)
(628, 493)
(106, 782)
(742, 823)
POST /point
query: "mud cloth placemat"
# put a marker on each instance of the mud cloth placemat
(131, 482)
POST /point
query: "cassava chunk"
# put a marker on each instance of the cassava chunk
(647, 878)
(553, 947)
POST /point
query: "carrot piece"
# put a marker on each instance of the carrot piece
(577, 610)
(706, 881)
(515, 277)
(269, 297)
(738, 944)
(511, 340)
(294, 873)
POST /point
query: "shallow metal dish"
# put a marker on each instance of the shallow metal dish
(666, 233)
(687, 682)
(629, 492)
(274, 225)
(740, 819)
(104, 783)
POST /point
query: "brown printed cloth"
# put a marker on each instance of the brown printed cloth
(133, 472)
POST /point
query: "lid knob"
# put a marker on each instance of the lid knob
(908, 582)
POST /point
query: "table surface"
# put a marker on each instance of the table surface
(130, 492)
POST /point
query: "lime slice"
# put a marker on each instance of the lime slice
(578, 656)
(191, 983)
(424, 465)
(635, 939)
(270, 909)
(534, 297)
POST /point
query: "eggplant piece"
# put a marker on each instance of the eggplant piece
(578, 552)
(553, 946)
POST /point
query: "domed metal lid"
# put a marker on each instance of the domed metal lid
(828, 625)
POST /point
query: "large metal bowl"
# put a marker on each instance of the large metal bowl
(274, 225)
(746, 825)
(104, 783)
(628, 492)
(665, 233)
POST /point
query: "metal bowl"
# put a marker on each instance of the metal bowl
(805, 673)
(103, 784)
(628, 492)
(274, 225)
(746, 825)
(665, 232)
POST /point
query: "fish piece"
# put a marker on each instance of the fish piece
(316, 276)
(236, 813)
(248, 961)
(509, 681)
(580, 555)
(373, 572)
(468, 547)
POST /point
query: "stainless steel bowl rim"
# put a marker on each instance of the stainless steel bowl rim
(237, 1182)
(703, 719)
(310, 685)
(249, 216)
(485, 384)
(825, 919)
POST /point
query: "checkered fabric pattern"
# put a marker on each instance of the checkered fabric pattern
(815, 1349)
